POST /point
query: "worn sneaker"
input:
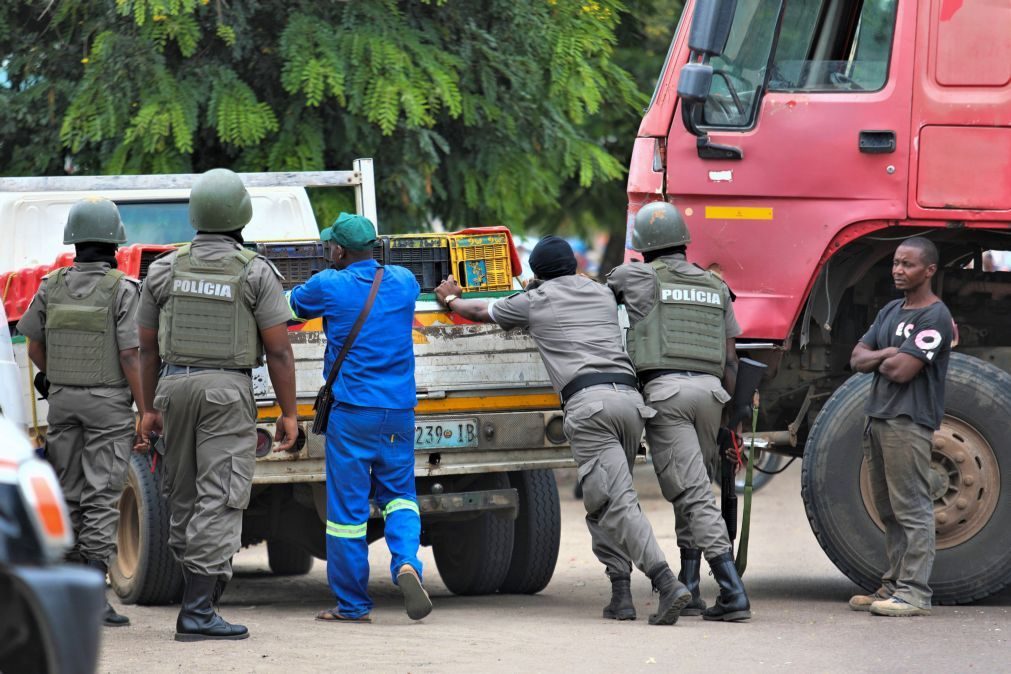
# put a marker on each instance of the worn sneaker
(894, 607)
(862, 602)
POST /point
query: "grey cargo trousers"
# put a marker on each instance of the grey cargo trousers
(898, 464)
(604, 424)
(682, 441)
(210, 453)
(91, 433)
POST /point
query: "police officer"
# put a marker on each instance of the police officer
(681, 340)
(574, 323)
(83, 332)
(208, 312)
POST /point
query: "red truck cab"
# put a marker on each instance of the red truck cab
(810, 137)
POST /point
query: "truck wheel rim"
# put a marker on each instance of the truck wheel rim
(128, 533)
(965, 483)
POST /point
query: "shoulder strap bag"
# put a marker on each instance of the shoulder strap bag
(324, 399)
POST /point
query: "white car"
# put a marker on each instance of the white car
(51, 616)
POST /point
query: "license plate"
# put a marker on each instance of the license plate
(445, 433)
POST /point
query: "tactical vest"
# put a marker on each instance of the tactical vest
(685, 328)
(81, 345)
(206, 321)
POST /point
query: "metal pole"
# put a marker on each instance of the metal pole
(186, 180)
(365, 191)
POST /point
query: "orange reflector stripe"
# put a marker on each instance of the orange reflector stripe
(738, 213)
(48, 506)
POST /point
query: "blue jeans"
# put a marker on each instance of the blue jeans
(366, 448)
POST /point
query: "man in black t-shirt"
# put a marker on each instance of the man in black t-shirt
(907, 349)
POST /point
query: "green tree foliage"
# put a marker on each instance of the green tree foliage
(476, 113)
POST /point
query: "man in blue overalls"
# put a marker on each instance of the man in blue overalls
(370, 437)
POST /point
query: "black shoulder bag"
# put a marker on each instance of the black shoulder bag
(324, 399)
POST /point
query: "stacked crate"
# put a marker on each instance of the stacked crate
(296, 261)
(482, 262)
(426, 255)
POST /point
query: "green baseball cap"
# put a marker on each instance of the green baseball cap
(351, 231)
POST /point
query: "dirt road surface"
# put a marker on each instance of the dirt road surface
(801, 622)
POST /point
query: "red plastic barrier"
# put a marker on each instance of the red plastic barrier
(17, 288)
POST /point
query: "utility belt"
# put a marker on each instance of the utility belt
(168, 369)
(595, 378)
(649, 375)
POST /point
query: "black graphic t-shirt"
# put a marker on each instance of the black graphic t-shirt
(925, 333)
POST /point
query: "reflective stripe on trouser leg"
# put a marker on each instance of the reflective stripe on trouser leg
(350, 451)
(393, 476)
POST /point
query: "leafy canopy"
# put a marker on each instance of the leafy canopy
(476, 113)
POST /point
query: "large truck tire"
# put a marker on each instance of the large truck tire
(971, 485)
(144, 571)
(287, 559)
(473, 556)
(537, 532)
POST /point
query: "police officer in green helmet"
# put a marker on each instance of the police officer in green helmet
(83, 332)
(209, 312)
(681, 341)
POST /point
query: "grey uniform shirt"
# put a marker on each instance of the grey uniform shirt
(81, 280)
(574, 322)
(634, 284)
(263, 291)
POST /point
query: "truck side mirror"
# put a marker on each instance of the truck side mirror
(694, 82)
(711, 24)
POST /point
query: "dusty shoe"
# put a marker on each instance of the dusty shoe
(674, 596)
(621, 606)
(894, 607)
(862, 602)
(416, 599)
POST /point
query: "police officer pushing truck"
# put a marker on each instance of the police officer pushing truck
(83, 332)
(681, 341)
(209, 311)
(574, 322)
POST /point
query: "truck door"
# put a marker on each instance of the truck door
(816, 95)
(962, 112)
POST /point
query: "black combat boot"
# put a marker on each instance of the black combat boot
(109, 616)
(197, 620)
(674, 596)
(732, 604)
(621, 606)
(219, 589)
(691, 566)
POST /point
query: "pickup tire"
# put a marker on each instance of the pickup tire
(473, 556)
(536, 533)
(287, 559)
(144, 571)
(972, 485)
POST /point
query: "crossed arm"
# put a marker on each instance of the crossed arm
(889, 362)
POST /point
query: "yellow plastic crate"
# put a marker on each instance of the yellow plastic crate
(481, 262)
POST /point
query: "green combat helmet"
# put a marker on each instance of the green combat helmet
(219, 202)
(96, 220)
(659, 225)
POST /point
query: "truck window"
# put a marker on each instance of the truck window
(739, 73)
(821, 46)
(163, 222)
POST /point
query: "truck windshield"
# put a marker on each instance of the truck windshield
(821, 46)
(163, 222)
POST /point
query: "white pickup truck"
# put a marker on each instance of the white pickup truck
(489, 427)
